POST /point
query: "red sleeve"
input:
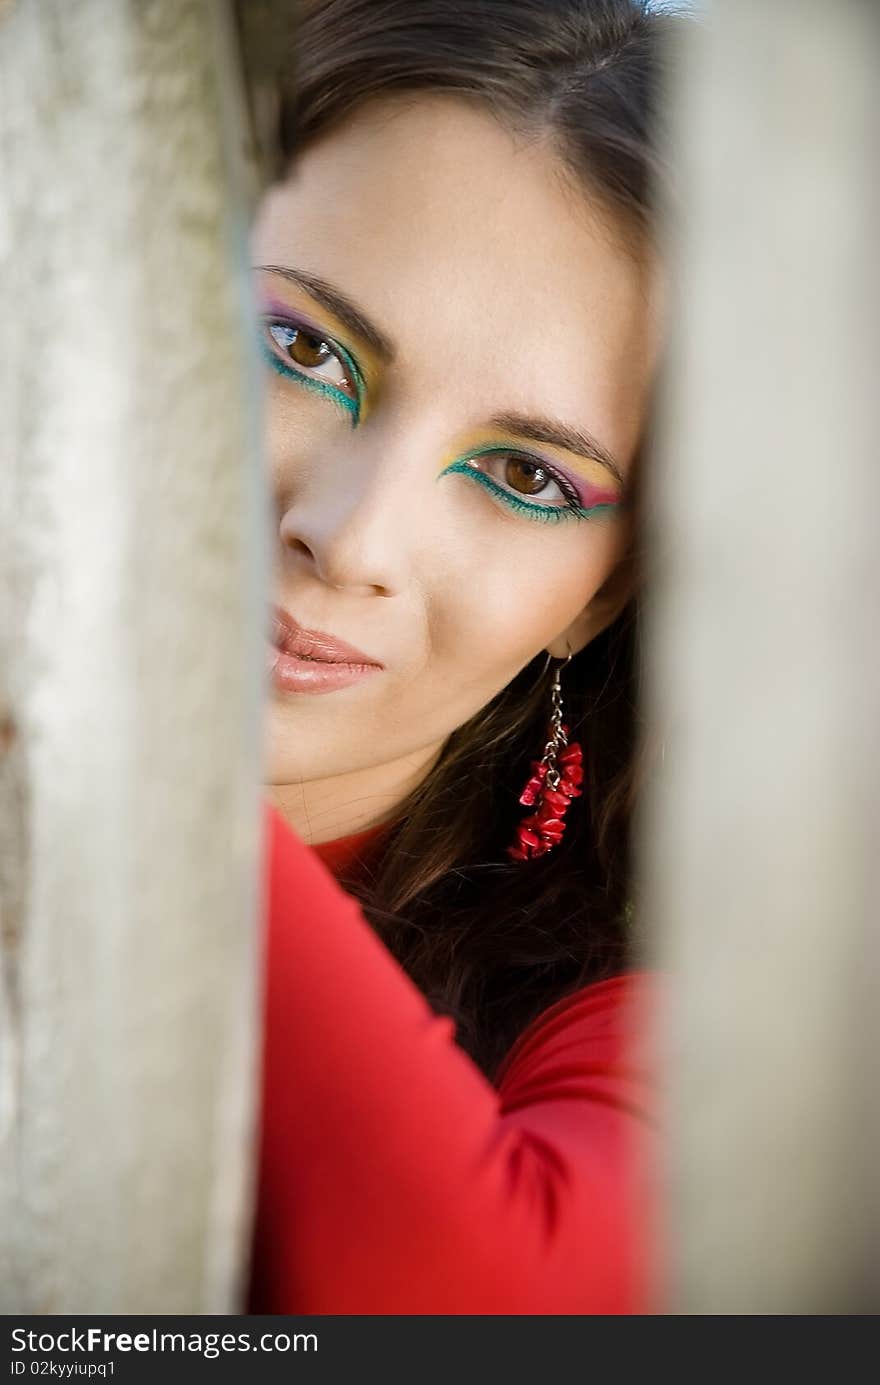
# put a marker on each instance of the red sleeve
(394, 1178)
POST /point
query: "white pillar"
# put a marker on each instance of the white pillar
(762, 836)
(131, 616)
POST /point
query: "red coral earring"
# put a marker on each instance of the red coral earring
(556, 779)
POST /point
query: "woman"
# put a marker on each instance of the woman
(461, 322)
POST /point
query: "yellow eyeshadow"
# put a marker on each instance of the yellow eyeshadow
(583, 467)
(298, 303)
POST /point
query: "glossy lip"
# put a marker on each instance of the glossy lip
(289, 637)
(311, 661)
(291, 674)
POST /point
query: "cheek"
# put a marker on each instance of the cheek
(300, 430)
(297, 421)
(517, 594)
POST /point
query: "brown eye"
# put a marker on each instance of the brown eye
(526, 477)
(307, 350)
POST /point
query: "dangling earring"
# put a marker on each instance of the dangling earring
(556, 780)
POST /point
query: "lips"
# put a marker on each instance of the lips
(314, 645)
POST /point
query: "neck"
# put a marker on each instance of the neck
(323, 810)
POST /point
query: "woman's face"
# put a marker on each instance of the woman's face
(458, 361)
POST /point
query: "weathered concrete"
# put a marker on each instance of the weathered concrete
(131, 583)
(763, 837)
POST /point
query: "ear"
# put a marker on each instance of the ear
(600, 611)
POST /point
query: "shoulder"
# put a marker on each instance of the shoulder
(595, 1043)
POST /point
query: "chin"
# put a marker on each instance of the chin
(292, 755)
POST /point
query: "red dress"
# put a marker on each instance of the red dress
(393, 1177)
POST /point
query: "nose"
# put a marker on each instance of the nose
(349, 522)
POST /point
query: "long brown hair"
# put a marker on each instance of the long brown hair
(489, 941)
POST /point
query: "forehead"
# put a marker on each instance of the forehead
(477, 253)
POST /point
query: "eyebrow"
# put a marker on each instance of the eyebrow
(576, 440)
(537, 429)
(335, 302)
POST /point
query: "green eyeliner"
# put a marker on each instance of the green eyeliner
(547, 514)
(289, 372)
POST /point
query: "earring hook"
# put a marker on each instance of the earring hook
(563, 663)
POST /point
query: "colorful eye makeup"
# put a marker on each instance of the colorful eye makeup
(519, 479)
(522, 481)
(303, 353)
